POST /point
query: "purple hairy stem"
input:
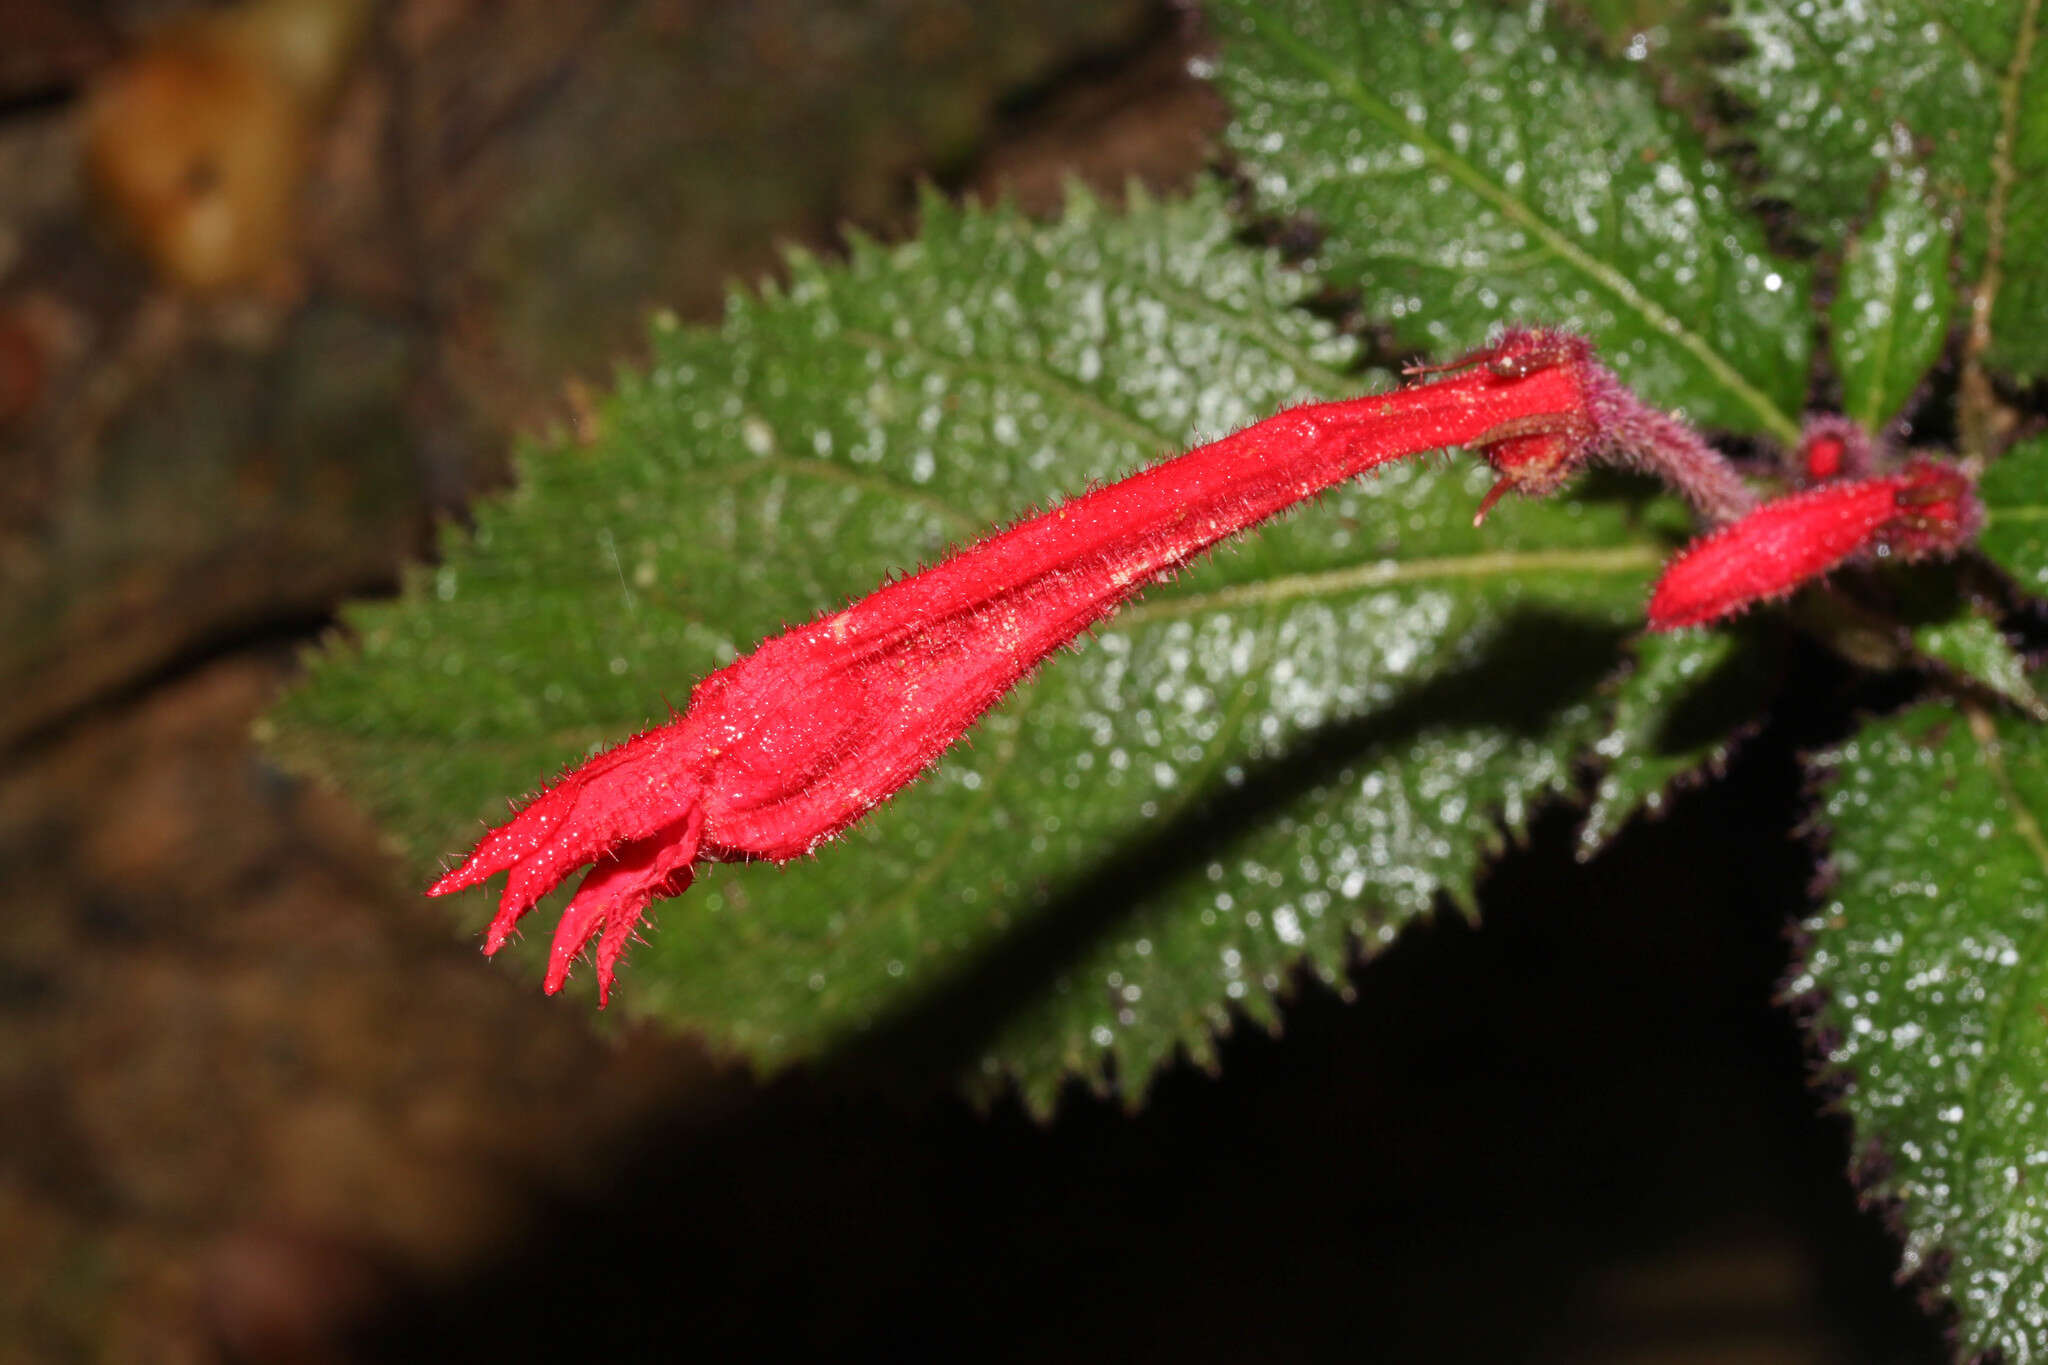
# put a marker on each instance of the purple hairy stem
(1636, 436)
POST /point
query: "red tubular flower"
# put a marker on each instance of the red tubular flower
(786, 747)
(1925, 509)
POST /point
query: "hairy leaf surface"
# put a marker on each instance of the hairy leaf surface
(1467, 166)
(2015, 493)
(1283, 756)
(1929, 964)
(1841, 88)
(1973, 647)
(1891, 308)
(1677, 713)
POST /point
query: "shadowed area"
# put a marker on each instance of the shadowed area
(1563, 657)
(1577, 1131)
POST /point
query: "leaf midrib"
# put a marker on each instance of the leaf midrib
(1872, 408)
(1508, 564)
(1562, 246)
(2003, 175)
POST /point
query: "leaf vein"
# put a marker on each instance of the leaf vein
(1030, 376)
(828, 471)
(2003, 174)
(1510, 564)
(1519, 211)
(1247, 327)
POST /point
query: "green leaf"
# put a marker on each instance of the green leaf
(2015, 493)
(1677, 713)
(1469, 168)
(1930, 964)
(1282, 757)
(1891, 307)
(1974, 647)
(1841, 87)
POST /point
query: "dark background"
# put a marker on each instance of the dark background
(262, 1104)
